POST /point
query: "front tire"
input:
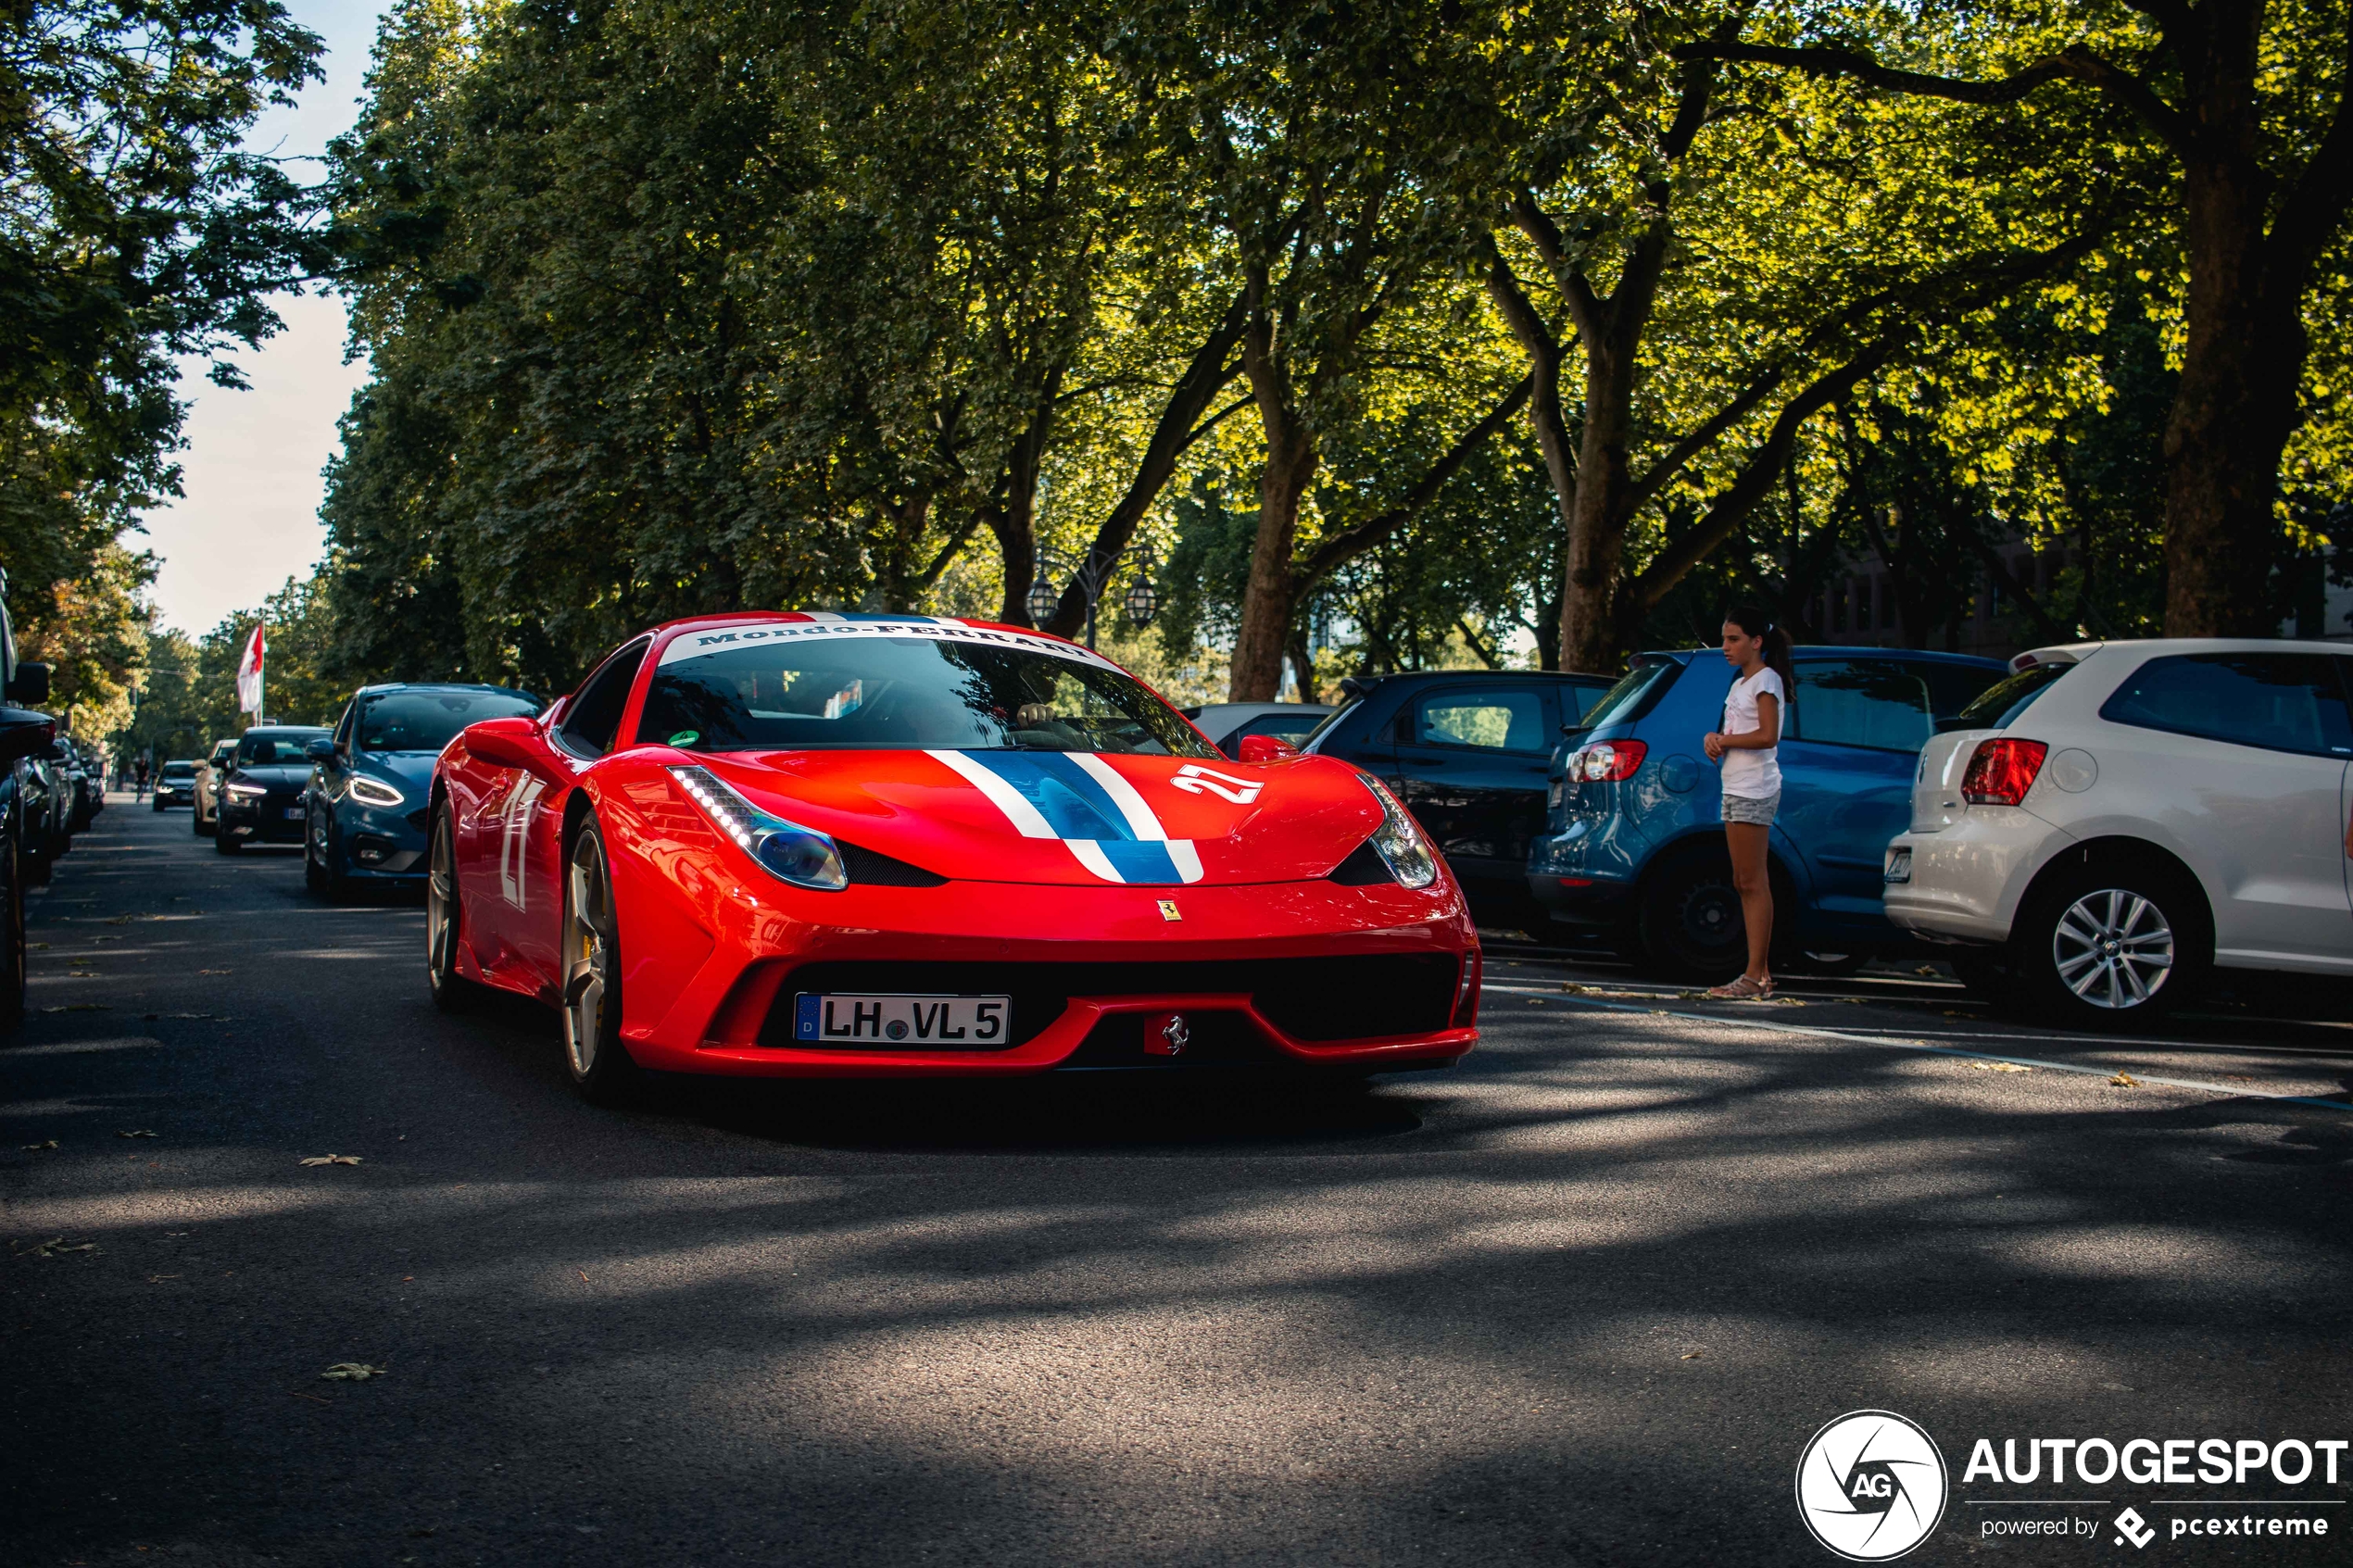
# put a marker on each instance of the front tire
(602, 1070)
(452, 992)
(158, 803)
(2106, 947)
(322, 860)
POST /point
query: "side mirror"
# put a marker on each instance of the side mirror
(53, 752)
(31, 685)
(23, 734)
(320, 750)
(505, 743)
(1266, 748)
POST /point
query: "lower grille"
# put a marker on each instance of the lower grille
(1351, 998)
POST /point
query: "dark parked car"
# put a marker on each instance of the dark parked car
(366, 800)
(24, 735)
(176, 784)
(262, 798)
(1633, 841)
(1465, 750)
(211, 774)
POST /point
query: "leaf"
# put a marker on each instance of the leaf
(1692, 1355)
(2124, 1081)
(2001, 1067)
(51, 1144)
(353, 1371)
(330, 1160)
(137, 1132)
(54, 1246)
(79, 1007)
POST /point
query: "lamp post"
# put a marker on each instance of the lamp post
(1092, 577)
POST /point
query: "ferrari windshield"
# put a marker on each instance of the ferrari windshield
(428, 720)
(871, 689)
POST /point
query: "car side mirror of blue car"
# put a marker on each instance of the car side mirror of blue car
(321, 749)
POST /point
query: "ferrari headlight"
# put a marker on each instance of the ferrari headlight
(788, 851)
(248, 791)
(374, 792)
(1399, 841)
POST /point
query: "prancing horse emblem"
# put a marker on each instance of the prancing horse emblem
(1175, 1034)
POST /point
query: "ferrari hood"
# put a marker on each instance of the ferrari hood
(1070, 818)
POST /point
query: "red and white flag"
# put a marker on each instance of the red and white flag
(250, 673)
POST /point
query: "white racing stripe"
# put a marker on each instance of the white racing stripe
(1024, 817)
(1140, 820)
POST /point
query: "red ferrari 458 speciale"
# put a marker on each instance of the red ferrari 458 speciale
(819, 845)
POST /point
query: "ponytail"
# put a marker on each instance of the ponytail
(1755, 623)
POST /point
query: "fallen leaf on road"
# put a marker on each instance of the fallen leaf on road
(158, 1279)
(122, 920)
(1571, 986)
(1787, 1002)
(79, 1007)
(137, 1132)
(1659, 1012)
(2000, 1067)
(1536, 1001)
(1927, 969)
(1692, 1355)
(353, 1371)
(330, 1160)
(42, 945)
(53, 1248)
(2124, 1081)
(1950, 1013)
(216, 972)
(51, 1144)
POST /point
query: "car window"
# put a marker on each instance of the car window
(1574, 699)
(1323, 731)
(428, 720)
(275, 750)
(902, 687)
(1952, 687)
(1879, 703)
(1486, 718)
(595, 715)
(178, 769)
(1633, 695)
(2276, 701)
(1998, 705)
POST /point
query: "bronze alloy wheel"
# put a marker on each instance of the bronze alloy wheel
(601, 1068)
(451, 991)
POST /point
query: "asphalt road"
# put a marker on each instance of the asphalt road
(1583, 1300)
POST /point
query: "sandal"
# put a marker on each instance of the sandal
(1743, 990)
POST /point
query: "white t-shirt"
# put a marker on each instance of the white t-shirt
(1753, 775)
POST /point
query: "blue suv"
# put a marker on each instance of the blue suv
(364, 814)
(1633, 844)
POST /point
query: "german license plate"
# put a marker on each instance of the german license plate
(1899, 866)
(294, 813)
(942, 1022)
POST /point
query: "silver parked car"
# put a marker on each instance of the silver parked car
(2100, 829)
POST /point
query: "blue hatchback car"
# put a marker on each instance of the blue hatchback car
(366, 807)
(1633, 844)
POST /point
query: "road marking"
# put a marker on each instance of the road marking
(2233, 1091)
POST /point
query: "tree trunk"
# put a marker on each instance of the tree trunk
(1267, 602)
(2232, 417)
(1591, 637)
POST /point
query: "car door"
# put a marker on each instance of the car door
(1847, 754)
(2244, 755)
(516, 877)
(1470, 762)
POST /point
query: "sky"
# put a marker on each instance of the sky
(249, 516)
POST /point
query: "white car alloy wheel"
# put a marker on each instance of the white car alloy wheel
(2113, 947)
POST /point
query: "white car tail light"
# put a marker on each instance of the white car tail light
(2002, 771)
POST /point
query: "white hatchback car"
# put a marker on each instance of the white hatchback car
(2100, 829)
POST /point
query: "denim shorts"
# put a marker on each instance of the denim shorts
(1752, 808)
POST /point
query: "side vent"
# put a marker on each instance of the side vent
(875, 869)
(1363, 868)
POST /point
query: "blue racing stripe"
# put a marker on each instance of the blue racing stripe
(1073, 805)
(1138, 861)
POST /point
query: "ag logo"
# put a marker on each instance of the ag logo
(1871, 1485)
(1194, 779)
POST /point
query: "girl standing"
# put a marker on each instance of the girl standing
(1747, 747)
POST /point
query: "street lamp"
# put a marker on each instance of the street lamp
(1091, 577)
